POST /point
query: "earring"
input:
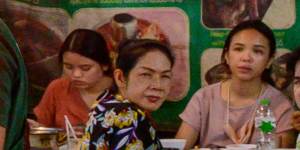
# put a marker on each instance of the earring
(119, 97)
(269, 65)
(105, 68)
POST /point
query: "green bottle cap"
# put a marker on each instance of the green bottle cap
(265, 102)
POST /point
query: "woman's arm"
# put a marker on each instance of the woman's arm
(296, 120)
(2, 135)
(189, 133)
(45, 110)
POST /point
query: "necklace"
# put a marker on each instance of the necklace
(244, 134)
(228, 100)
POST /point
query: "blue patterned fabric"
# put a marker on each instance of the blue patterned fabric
(118, 124)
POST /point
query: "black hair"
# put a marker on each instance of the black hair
(130, 51)
(90, 44)
(260, 27)
(277, 69)
(294, 57)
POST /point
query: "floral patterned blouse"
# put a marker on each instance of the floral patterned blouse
(115, 124)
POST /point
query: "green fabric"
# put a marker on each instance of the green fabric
(13, 91)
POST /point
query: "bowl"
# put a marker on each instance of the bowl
(43, 137)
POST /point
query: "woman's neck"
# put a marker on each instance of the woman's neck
(90, 95)
(241, 93)
(100, 86)
(246, 89)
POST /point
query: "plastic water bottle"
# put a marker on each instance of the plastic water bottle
(298, 142)
(265, 122)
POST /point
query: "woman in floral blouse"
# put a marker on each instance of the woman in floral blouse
(143, 80)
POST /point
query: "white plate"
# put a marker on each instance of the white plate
(241, 147)
(173, 143)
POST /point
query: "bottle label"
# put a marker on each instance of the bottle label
(267, 124)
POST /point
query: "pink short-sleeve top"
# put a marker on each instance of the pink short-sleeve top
(206, 113)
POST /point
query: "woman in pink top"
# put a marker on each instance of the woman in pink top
(223, 113)
(87, 72)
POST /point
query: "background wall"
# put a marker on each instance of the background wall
(195, 29)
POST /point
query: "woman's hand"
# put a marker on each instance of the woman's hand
(33, 123)
(188, 133)
(287, 139)
(296, 120)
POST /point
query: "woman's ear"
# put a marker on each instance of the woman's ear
(119, 78)
(270, 63)
(226, 58)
